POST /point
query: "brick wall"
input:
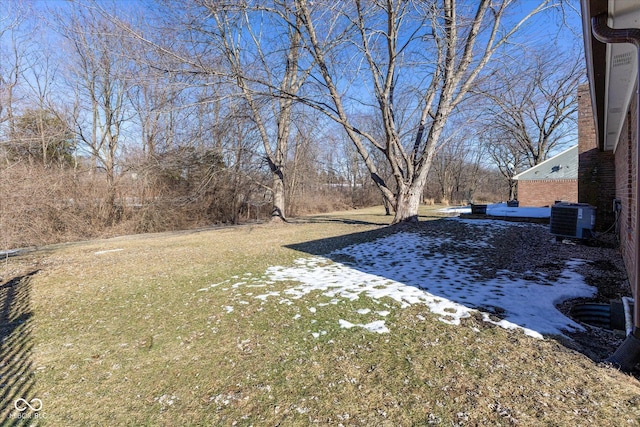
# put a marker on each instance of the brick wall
(625, 155)
(546, 192)
(596, 169)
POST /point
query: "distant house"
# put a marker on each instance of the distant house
(553, 180)
(611, 52)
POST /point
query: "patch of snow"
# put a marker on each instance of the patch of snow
(264, 297)
(108, 251)
(376, 326)
(456, 209)
(318, 334)
(345, 324)
(166, 400)
(501, 209)
(409, 269)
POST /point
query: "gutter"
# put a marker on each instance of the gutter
(628, 354)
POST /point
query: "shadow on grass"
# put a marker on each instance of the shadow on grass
(16, 370)
(366, 219)
(325, 246)
(343, 220)
(454, 261)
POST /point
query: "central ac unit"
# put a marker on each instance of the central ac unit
(575, 220)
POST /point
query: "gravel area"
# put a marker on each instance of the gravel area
(524, 247)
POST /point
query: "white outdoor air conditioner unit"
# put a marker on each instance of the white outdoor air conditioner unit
(575, 220)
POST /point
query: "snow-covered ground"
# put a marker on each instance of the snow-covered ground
(501, 209)
(409, 268)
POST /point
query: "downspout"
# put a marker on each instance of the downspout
(628, 354)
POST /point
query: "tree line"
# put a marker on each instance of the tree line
(152, 116)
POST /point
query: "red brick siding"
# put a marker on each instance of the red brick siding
(625, 155)
(546, 192)
(597, 169)
(586, 123)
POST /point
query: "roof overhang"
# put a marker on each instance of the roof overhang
(611, 68)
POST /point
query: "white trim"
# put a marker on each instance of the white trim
(621, 72)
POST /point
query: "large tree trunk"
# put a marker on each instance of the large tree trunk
(110, 208)
(278, 210)
(407, 205)
(409, 196)
(387, 205)
(513, 194)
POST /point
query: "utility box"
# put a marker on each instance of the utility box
(575, 220)
(479, 209)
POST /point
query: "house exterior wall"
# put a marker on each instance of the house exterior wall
(625, 161)
(546, 192)
(596, 169)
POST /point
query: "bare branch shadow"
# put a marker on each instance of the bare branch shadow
(16, 369)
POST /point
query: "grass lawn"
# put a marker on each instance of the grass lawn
(159, 330)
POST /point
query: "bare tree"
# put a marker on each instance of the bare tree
(533, 108)
(98, 75)
(448, 167)
(254, 61)
(250, 50)
(506, 155)
(431, 51)
(303, 172)
(154, 100)
(45, 123)
(12, 65)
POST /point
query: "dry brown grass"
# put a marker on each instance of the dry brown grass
(120, 334)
